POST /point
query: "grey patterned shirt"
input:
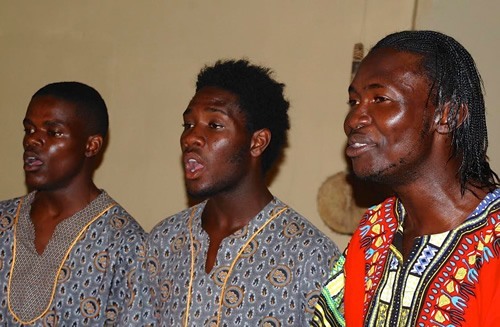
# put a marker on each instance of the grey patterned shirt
(84, 277)
(275, 281)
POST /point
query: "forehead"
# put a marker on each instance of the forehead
(214, 96)
(218, 101)
(391, 66)
(49, 108)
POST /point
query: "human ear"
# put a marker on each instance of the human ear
(260, 141)
(94, 145)
(450, 120)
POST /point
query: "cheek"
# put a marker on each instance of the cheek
(66, 154)
(56, 149)
(182, 138)
(399, 129)
(347, 129)
(221, 145)
(395, 121)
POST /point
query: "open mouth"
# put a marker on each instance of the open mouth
(192, 165)
(32, 162)
(357, 148)
(192, 168)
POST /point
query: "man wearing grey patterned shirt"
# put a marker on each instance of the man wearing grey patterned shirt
(240, 257)
(68, 251)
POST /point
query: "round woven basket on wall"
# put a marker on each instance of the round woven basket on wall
(342, 200)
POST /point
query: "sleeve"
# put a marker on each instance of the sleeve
(483, 309)
(317, 270)
(329, 310)
(126, 302)
(137, 311)
(152, 279)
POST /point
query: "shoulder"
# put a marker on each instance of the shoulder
(302, 232)
(486, 216)
(490, 204)
(117, 219)
(8, 212)
(10, 205)
(384, 211)
(177, 222)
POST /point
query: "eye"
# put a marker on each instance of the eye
(186, 125)
(215, 125)
(352, 102)
(29, 130)
(380, 99)
(55, 133)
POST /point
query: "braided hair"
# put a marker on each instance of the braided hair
(455, 82)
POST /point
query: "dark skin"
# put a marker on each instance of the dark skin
(59, 160)
(226, 214)
(396, 138)
(228, 164)
(441, 210)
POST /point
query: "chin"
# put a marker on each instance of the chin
(199, 193)
(197, 196)
(32, 186)
(379, 177)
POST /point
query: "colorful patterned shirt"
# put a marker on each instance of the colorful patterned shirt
(84, 277)
(449, 279)
(268, 273)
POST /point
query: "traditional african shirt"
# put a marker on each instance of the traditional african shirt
(269, 273)
(449, 279)
(84, 277)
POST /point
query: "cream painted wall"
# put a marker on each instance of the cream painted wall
(144, 56)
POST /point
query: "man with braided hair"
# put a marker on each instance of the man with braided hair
(429, 255)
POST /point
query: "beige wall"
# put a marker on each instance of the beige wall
(143, 56)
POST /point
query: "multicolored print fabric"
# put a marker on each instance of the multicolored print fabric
(449, 279)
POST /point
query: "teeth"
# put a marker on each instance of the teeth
(191, 165)
(32, 161)
(357, 145)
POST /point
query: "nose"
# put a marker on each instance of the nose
(192, 137)
(357, 118)
(32, 139)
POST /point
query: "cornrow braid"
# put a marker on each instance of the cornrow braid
(455, 82)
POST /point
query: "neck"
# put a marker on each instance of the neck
(228, 213)
(437, 208)
(63, 203)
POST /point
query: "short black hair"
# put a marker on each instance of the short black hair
(260, 98)
(89, 103)
(455, 81)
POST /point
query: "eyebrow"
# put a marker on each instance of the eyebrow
(369, 87)
(49, 123)
(53, 123)
(210, 109)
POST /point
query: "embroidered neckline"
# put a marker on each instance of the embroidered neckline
(33, 278)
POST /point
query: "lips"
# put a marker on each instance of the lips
(192, 166)
(31, 161)
(358, 144)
